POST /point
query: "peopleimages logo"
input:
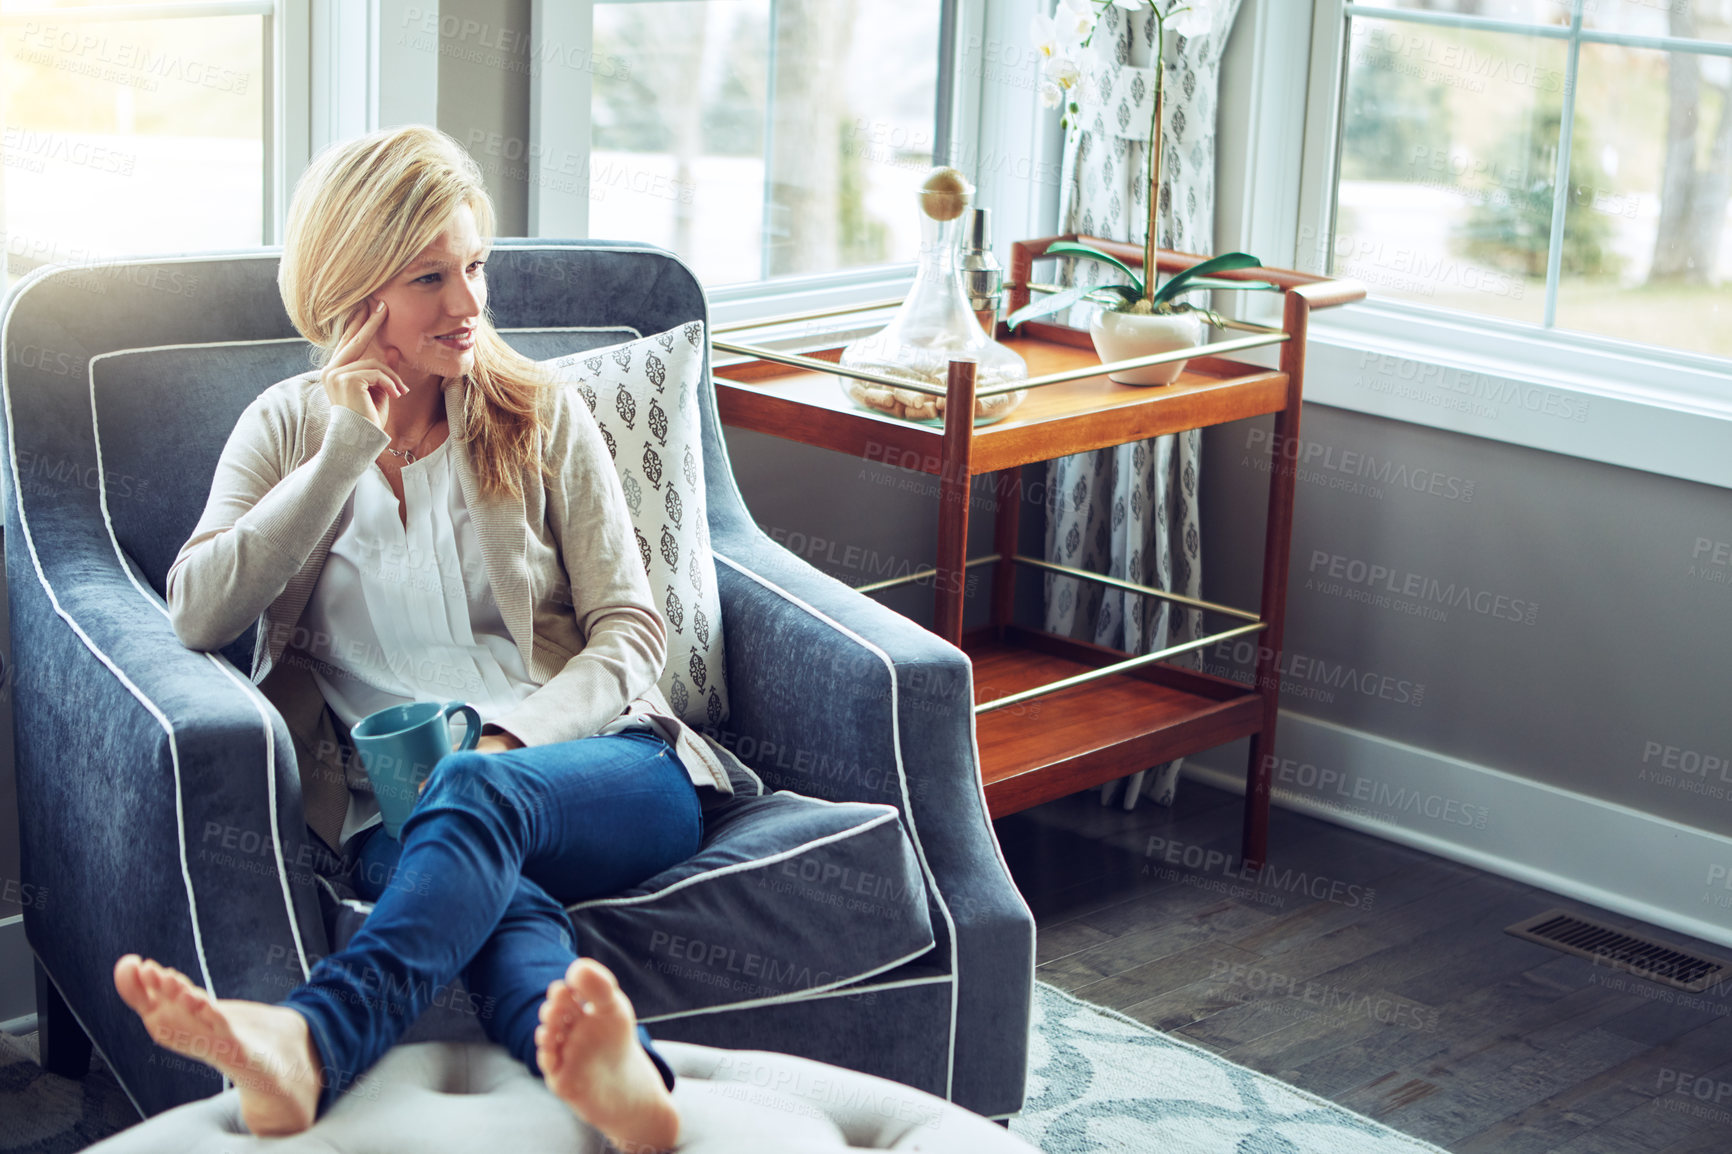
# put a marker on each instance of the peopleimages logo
(1168, 851)
(1483, 393)
(66, 149)
(1340, 790)
(1711, 561)
(1333, 573)
(1447, 55)
(105, 58)
(1299, 672)
(1258, 980)
(1313, 457)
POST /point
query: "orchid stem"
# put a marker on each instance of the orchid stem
(1151, 272)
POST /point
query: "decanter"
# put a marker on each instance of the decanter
(935, 325)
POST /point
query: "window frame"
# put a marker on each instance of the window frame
(284, 64)
(1648, 407)
(566, 214)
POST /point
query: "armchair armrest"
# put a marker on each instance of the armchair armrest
(159, 809)
(833, 695)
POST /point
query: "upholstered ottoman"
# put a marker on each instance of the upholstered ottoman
(434, 1097)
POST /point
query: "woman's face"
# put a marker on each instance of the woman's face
(433, 306)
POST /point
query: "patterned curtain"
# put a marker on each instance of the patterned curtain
(1131, 511)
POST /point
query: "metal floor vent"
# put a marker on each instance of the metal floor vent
(1621, 950)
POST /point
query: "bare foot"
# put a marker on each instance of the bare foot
(266, 1051)
(588, 1051)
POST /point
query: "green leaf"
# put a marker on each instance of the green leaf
(1226, 262)
(1069, 248)
(1211, 282)
(1065, 299)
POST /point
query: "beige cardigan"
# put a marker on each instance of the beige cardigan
(594, 642)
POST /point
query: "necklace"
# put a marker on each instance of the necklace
(408, 455)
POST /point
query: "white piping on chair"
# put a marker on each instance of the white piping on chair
(635, 334)
(358, 906)
(807, 995)
(247, 687)
(889, 815)
(42, 577)
(998, 852)
(899, 984)
(97, 1046)
(902, 777)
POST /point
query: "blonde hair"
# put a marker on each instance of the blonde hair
(361, 213)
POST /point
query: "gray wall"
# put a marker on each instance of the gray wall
(862, 521)
(484, 74)
(1617, 682)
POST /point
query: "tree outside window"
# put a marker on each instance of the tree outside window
(1565, 163)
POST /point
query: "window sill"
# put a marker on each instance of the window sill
(786, 296)
(1601, 400)
(762, 306)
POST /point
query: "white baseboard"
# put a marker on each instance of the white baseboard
(17, 979)
(1607, 855)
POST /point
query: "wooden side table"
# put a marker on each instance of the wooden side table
(1103, 713)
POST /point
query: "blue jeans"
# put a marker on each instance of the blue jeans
(496, 848)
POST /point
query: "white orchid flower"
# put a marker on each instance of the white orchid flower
(1051, 95)
(1190, 17)
(1076, 18)
(1062, 71)
(1045, 34)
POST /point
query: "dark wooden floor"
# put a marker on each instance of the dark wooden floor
(1395, 993)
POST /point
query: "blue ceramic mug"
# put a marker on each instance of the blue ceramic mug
(400, 745)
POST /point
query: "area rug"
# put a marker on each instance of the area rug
(44, 1114)
(1098, 1082)
(1101, 1082)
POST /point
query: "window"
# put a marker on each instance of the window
(761, 139)
(133, 128)
(1563, 163)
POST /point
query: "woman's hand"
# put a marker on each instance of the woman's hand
(497, 743)
(359, 375)
(492, 743)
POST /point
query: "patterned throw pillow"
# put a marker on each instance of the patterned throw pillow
(644, 395)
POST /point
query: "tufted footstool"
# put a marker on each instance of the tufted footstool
(438, 1097)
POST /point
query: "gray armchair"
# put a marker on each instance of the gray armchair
(157, 788)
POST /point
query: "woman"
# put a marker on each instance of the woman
(388, 508)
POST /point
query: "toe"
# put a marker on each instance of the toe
(593, 982)
(562, 1005)
(200, 1007)
(126, 981)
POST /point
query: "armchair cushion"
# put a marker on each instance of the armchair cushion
(788, 897)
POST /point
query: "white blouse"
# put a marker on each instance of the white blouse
(404, 612)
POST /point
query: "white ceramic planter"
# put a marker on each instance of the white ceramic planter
(1121, 336)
